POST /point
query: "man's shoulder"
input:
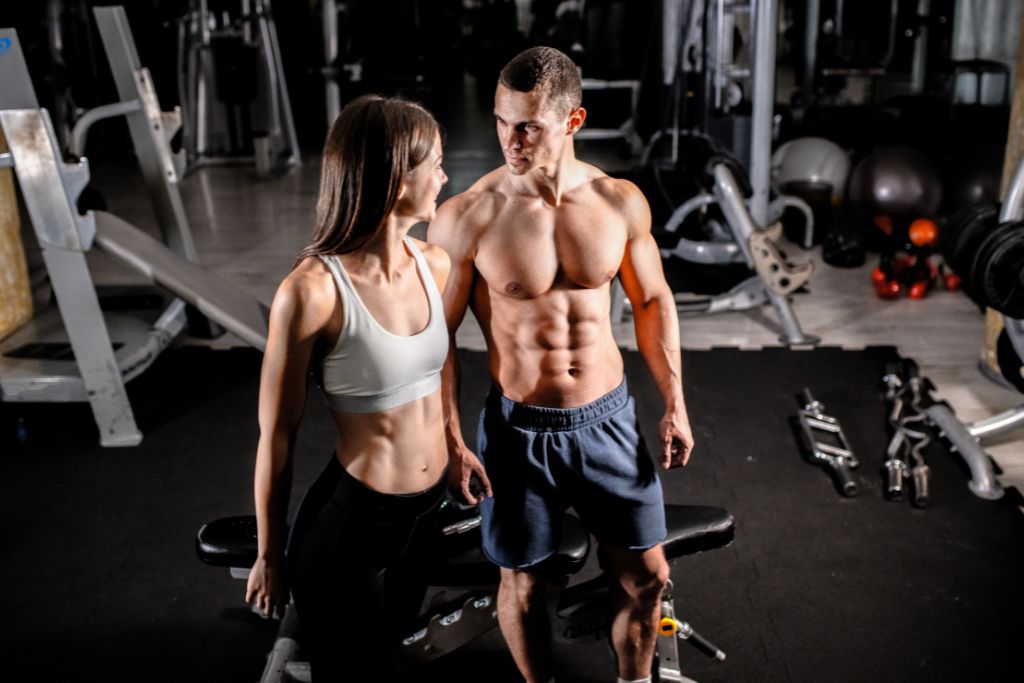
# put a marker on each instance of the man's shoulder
(437, 258)
(619, 192)
(478, 204)
(622, 197)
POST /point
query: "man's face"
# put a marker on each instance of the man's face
(531, 133)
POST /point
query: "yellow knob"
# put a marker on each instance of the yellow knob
(668, 626)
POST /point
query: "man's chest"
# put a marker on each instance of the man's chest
(526, 253)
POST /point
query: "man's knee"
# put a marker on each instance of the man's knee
(524, 588)
(645, 583)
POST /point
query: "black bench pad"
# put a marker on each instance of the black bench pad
(231, 542)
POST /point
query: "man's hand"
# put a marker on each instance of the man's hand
(467, 476)
(676, 440)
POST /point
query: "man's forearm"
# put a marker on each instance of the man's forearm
(657, 337)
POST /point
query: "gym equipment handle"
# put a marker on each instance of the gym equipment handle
(894, 472)
(682, 630)
(920, 477)
(842, 469)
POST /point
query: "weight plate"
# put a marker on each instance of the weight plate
(1002, 274)
(1009, 361)
(976, 267)
(962, 225)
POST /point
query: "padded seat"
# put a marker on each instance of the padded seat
(228, 542)
(231, 542)
(464, 563)
(695, 528)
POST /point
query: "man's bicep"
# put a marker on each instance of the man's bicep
(641, 272)
(441, 230)
(457, 292)
(447, 232)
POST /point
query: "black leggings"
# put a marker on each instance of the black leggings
(357, 563)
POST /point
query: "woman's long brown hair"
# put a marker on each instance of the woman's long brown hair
(371, 146)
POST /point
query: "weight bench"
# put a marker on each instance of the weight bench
(579, 611)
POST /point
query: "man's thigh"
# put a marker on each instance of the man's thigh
(522, 521)
(616, 489)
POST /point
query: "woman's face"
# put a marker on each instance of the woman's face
(422, 185)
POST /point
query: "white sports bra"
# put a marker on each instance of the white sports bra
(371, 369)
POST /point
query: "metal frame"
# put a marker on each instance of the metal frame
(966, 438)
(50, 188)
(774, 280)
(765, 23)
(151, 129)
(627, 130)
(746, 219)
(194, 64)
(1012, 210)
(329, 11)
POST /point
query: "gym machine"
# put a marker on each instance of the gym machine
(78, 352)
(742, 241)
(601, 38)
(703, 42)
(332, 12)
(235, 60)
(579, 612)
(984, 244)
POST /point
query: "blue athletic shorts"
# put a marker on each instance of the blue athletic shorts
(542, 460)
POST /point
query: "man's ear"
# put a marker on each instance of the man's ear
(576, 118)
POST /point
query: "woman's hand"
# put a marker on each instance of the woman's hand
(266, 590)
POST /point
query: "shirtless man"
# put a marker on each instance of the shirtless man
(534, 246)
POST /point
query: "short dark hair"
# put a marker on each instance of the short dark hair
(548, 70)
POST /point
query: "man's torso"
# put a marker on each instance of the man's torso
(542, 294)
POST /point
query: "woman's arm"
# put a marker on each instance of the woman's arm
(301, 309)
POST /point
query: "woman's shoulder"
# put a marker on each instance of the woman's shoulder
(308, 290)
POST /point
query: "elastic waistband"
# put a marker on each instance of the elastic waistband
(385, 400)
(350, 492)
(543, 419)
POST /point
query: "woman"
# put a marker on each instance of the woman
(362, 310)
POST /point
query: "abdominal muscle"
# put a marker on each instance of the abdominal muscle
(401, 450)
(555, 350)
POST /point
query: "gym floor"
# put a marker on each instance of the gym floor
(249, 229)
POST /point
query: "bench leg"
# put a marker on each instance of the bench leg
(671, 631)
(281, 662)
(668, 645)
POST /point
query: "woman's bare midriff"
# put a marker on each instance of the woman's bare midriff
(401, 450)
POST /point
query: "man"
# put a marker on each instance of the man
(535, 246)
